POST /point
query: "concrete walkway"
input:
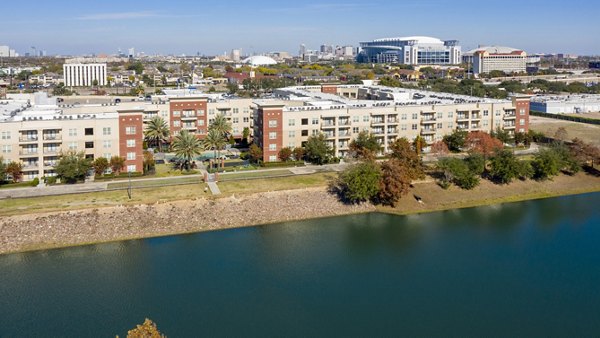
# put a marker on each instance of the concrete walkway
(214, 189)
(52, 190)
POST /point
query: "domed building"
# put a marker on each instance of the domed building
(411, 50)
(259, 60)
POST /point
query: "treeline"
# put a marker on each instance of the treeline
(573, 118)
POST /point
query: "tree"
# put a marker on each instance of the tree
(504, 167)
(419, 144)
(187, 145)
(157, 132)
(546, 164)
(561, 134)
(584, 153)
(256, 154)
(317, 150)
(523, 138)
(482, 143)
(221, 124)
(232, 87)
(214, 140)
(394, 182)
(502, 135)
(95, 83)
(138, 67)
(364, 146)
(146, 330)
(476, 163)
(72, 166)
(2, 170)
(359, 183)
(298, 153)
(100, 165)
(149, 162)
(117, 163)
(456, 140)
(14, 170)
(402, 150)
(245, 135)
(457, 171)
(439, 148)
(285, 154)
(61, 90)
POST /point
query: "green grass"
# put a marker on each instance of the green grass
(16, 185)
(154, 183)
(253, 175)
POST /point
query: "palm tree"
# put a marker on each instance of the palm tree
(157, 131)
(186, 146)
(214, 140)
(221, 124)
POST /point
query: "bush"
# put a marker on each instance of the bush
(35, 182)
(282, 164)
(359, 182)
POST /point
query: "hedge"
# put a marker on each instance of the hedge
(121, 175)
(573, 118)
(282, 164)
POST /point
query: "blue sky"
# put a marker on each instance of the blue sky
(213, 27)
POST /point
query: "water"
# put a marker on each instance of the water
(523, 269)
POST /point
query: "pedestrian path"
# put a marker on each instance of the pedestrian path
(214, 189)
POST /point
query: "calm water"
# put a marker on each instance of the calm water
(524, 269)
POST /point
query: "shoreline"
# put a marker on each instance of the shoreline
(60, 229)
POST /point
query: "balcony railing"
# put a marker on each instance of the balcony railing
(29, 152)
(52, 137)
(428, 131)
(28, 139)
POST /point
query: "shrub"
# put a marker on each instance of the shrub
(35, 182)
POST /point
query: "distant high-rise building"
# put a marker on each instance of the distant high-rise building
(489, 58)
(302, 50)
(4, 51)
(131, 53)
(348, 51)
(84, 75)
(235, 55)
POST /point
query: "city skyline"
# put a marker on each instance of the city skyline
(212, 28)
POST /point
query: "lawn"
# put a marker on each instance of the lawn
(586, 132)
(152, 195)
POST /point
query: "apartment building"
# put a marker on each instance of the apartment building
(506, 59)
(35, 135)
(389, 115)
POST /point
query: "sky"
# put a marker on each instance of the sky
(212, 27)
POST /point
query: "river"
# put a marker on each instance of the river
(521, 269)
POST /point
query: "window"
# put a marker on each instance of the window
(272, 135)
(89, 131)
(246, 120)
(522, 111)
(304, 133)
(200, 112)
(291, 122)
(304, 122)
(176, 123)
(130, 130)
(106, 144)
(272, 123)
(404, 116)
(236, 130)
(440, 125)
(211, 112)
(486, 113)
(131, 156)
(440, 115)
(414, 126)
(450, 114)
(236, 120)
(315, 121)
(272, 158)
(272, 147)
(106, 131)
(497, 113)
(315, 132)
(486, 123)
(176, 113)
(450, 125)
(131, 168)
(200, 122)
(89, 145)
(130, 143)
(366, 118)
(236, 110)
(521, 130)
(72, 145)
(355, 118)
(355, 130)
(73, 132)
(246, 111)
(522, 122)
(415, 116)
(6, 149)
(6, 135)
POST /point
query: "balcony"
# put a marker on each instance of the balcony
(509, 126)
(327, 125)
(189, 126)
(392, 120)
(344, 134)
(392, 131)
(475, 117)
(428, 120)
(49, 164)
(51, 152)
(428, 131)
(29, 152)
(461, 117)
(188, 117)
(30, 166)
(28, 139)
(378, 132)
(50, 138)
(462, 127)
(345, 122)
(510, 116)
(377, 121)
(329, 135)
